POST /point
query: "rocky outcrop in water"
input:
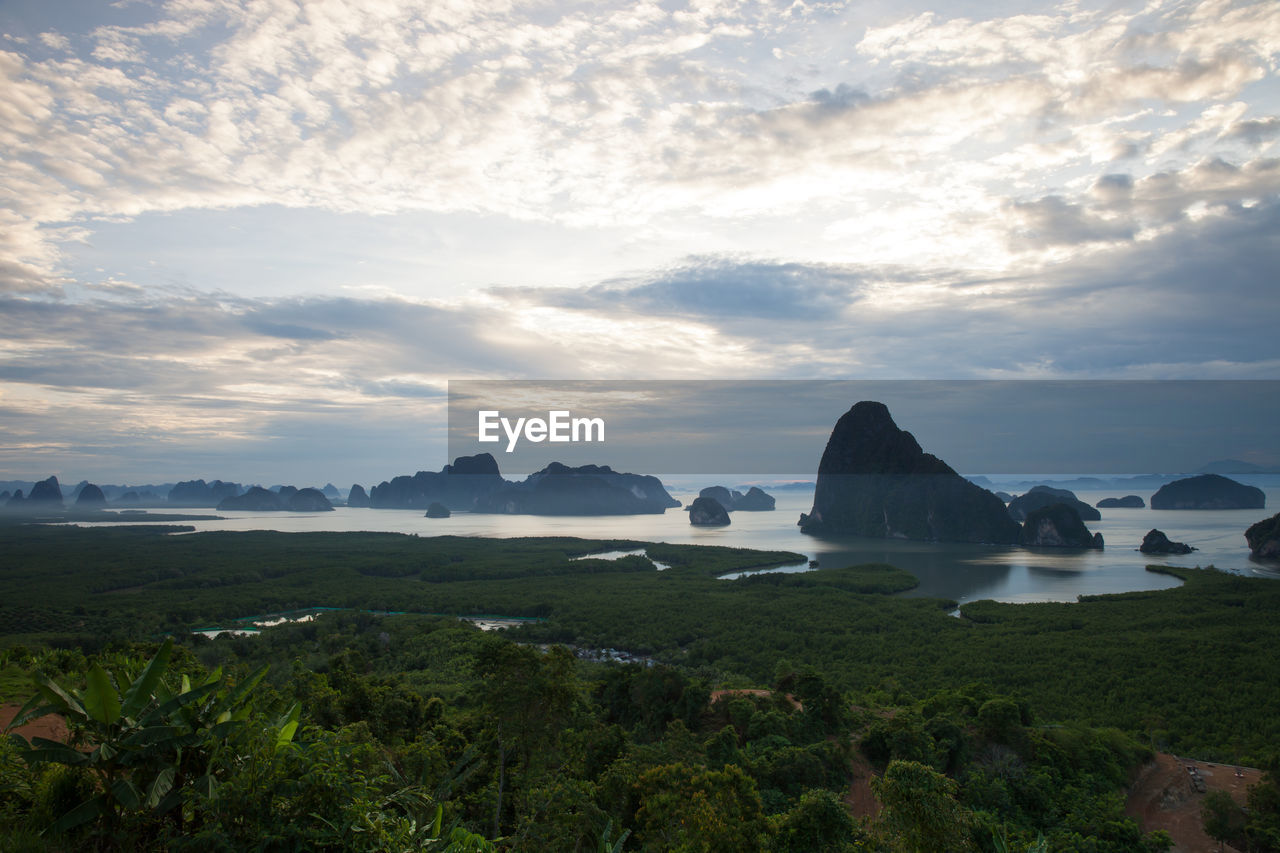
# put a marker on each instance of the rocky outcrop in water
(755, 500)
(1264, 538)
(1156, 542)
(719, 494)
(200, 493)
(875, 480)
(1208, 491)
(707, 512)
(1126, 502)
(438, 510)
(331, 492)
(584, 490)
(17, 499)
(307, 500)
(257, 499)
(289, 498)
(357, 496)
(90, 497)
(1058, 526)
(1042, 496)
(457, 486)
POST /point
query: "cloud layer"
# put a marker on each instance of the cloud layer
(719, 187)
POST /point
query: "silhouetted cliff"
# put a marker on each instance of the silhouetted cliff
(875, 480)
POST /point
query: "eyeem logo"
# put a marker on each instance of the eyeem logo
(559, 426)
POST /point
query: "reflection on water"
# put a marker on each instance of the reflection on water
(1264, 568)
(958, 572)
(617, 555)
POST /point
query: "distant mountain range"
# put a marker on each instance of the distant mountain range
(209, 494)
(185, 493)
(1235, 466)
(1137, 482)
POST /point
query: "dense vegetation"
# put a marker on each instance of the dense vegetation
(389, 724)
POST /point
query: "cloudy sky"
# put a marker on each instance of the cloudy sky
(254, 239)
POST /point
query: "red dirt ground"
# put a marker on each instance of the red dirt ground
(1162, 797)
(750, 691)
(859, 799)
(52, 726)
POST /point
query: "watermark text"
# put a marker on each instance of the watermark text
(559, 426)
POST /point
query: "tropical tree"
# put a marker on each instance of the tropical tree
(920, 810)
(818, 821)
(528, 697)
(1263, 827)
(695, 810)
(1223, 820)
(144, 743)
(1003, 845)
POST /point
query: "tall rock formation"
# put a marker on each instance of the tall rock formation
(706, 511)
(90, 497)
(46, 492)
(357, 496)
(1058, 526)
(457, 486)
(1264, 538)
(875, 480)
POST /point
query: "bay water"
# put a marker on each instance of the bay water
(959, 572)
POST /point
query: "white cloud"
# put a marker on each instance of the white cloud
(56, 41)
(188, 371)
(850, 184)
(616, 113)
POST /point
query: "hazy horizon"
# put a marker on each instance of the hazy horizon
(680, 482)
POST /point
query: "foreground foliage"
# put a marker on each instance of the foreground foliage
(538, 752)
(1149, 663)
(1013, 729)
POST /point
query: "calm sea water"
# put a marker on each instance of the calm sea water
(959, 572)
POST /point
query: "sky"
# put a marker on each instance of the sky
(748, 428)
(255, 240)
